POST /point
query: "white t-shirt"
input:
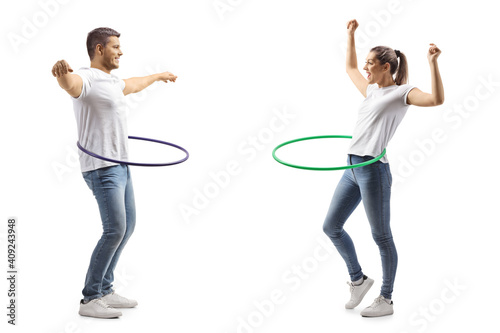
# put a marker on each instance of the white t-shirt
(378, 117)
(100, 113)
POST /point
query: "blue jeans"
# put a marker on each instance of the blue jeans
(112, 188)
(372, 184)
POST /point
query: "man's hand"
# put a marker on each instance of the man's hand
(72, 83)
(61, 68)
(166, 76)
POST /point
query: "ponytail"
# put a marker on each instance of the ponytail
(385, 55)
(402, 71)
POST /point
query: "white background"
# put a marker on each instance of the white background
(237, 68)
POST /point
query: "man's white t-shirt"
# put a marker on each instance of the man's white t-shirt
(100, 113)
(378, 117)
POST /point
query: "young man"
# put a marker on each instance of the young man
(100, 110)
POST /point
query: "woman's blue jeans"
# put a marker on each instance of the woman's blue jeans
(112, 188)
(372, 185)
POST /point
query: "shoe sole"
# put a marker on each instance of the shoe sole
(120, 306)
(100, 316)
(375, 316)
(370, 284)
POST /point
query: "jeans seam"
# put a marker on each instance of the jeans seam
(341, 239)
(381, 190)
(389, 248)
(106, 220)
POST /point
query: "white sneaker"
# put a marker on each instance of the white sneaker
(116, 301)
(380, 307)
(98, 309)
(358, 292)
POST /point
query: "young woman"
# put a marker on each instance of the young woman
(387, 99)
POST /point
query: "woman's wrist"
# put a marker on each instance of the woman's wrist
(433, 62)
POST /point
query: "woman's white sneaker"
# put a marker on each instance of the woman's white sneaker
(98, 309)
(380, 307)
(358, 292)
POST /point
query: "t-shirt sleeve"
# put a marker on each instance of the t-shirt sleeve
(122, 84)
(86, 76)
(370, 88)
(405, 91)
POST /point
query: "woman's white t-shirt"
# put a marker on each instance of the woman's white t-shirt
(100, 113)
(378, 117)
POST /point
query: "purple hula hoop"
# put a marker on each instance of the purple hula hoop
(139, 164)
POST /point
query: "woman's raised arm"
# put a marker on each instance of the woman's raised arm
(351, 62)
(420, 98)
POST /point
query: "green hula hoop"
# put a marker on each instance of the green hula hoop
(328, 168)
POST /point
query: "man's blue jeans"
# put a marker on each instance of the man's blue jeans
(371, 184)
(112, 188)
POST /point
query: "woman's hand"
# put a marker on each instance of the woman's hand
(434, 53)
(352, 25)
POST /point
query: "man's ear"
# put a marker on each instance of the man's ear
(99, 49)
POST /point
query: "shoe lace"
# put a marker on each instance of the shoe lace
(101, 303)
(377, 301)
(351, 286)
(120, 297)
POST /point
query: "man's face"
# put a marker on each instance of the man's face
(112, 53)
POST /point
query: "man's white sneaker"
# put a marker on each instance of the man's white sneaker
(380, 307)
(98, 309)
(358, 292)
(116, 301)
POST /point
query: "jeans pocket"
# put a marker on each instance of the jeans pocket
(87, 176)
(388, 174)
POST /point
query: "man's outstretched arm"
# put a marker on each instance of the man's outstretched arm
(72, 83)
(136, 84)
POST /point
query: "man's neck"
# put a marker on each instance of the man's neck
(100, 66)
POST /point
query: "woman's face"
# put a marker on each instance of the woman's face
(374, 70)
